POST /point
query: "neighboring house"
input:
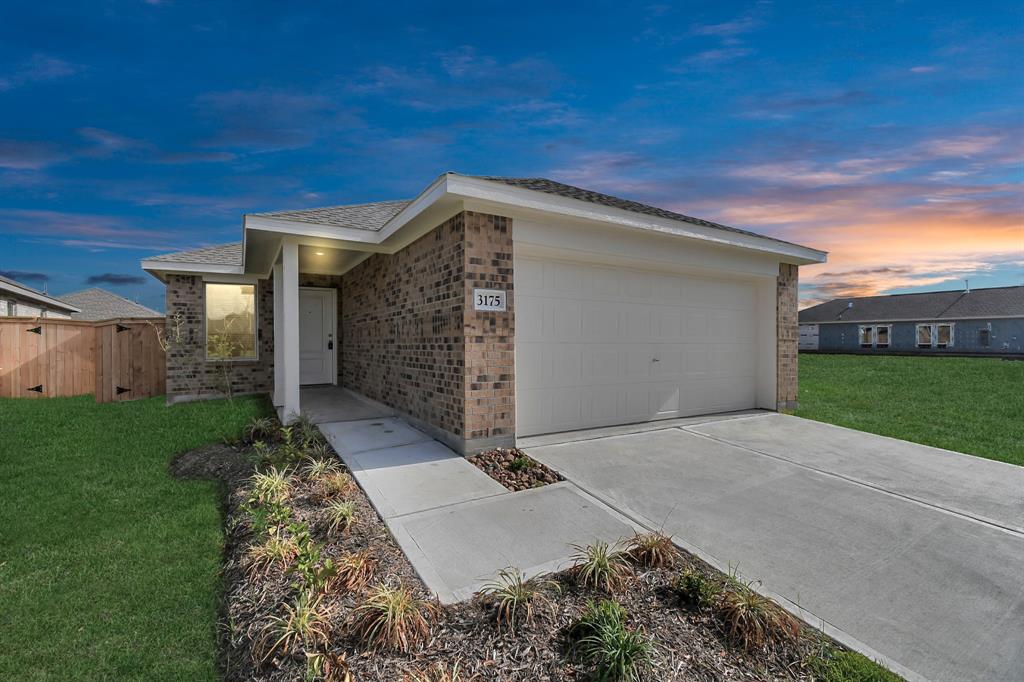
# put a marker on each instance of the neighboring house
(488, 308)
(18, 300)
(966, 321)
(99, 304)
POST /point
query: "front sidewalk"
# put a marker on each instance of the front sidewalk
(458, 526)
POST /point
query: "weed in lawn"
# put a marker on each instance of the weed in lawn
(355, 570)
(276, 552)
(653, 550)
(514, 597)
(304, 625)
(270, 486)
(340, 515)
(695, 588)
(393, 619)
(316, 468)
(601, 639)
(601, 566)
(260, 429)
(838, 665)
(755, 621)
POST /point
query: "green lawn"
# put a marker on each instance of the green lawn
(972, 405)
(108, 566)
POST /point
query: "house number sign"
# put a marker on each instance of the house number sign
(489, 299)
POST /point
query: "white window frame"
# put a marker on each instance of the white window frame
(256, 320)
(888, 335)
(933, 331)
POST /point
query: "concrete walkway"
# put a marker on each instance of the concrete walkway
(910, 554)
(456, 524)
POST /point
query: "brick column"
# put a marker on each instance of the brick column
(788, 330)
(490, 401)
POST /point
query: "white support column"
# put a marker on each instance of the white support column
(290, 329)
(278, 335)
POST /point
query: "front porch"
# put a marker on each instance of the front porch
(326, 404)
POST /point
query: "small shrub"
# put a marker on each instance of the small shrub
(520, 463)
(693, 587)
(288, 451)
(392, 619)
(270, 486)
(320, 450)
(317, 467)
(317, 573)
(304, 625)
(754, 621)
(601, 639)
(838, 665)
(601, 566)
(260, 429)
(356, 569)
(305, 431)
(267, 518)
(514, 597)
(336, 483)
(340, 515)
(274, 552)
(653, 550)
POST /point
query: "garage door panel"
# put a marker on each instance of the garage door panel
(598, 345)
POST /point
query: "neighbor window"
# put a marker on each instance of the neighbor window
(230, 321)
(924, 336)
(865, 336)
(985, 337)
(882, 336)
(944, 336)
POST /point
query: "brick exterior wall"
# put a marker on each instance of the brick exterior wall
(402, 330)
(788, 327)
(189, 375)
(490, 351)
(411, 339)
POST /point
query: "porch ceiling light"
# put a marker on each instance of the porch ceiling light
(319, 253)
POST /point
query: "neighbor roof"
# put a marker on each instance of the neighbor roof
(222, 254)
(18, 289)
(932, 305)
(371, 216)
(100, 304)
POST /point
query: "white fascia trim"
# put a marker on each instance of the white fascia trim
(18, 290)
(920, 320)
(484, 190)
(183, 267)
(304, 229)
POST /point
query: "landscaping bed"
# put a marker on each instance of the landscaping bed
(514, 469)
(316, 588)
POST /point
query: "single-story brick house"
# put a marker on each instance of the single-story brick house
(488, 308)
(20, 300)
(961, 322)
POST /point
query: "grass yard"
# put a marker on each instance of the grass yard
(108, 566)
(972, 405)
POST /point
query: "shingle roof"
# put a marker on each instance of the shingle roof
(563, 190)
(933, 305)
(371, 216)
(19, 289)
(100, 304)
(222, 254)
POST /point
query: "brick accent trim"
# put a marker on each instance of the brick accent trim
(788, 330)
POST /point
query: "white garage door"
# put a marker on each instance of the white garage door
(600, 345)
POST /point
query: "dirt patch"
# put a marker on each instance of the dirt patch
(514, 469)
(217, 462)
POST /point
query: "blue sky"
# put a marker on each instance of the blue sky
(889, 133)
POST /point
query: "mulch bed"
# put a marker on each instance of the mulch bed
(514, 469)
(689, 643)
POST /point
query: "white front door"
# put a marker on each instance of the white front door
(599, 345)
(317, 329)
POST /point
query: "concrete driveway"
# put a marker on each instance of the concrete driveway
(911, 554)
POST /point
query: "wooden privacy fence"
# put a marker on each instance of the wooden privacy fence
(113, 359)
